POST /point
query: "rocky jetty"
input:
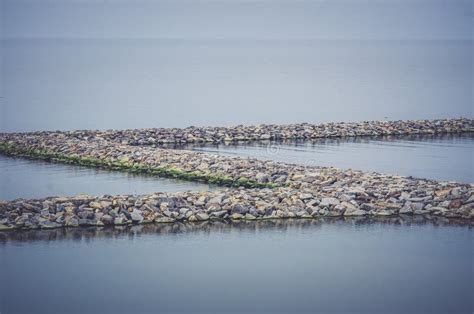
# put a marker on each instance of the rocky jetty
(156, 136)
(229, 204)
(284, 190)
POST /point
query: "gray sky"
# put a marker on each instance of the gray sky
(229, 19)
(77, 64)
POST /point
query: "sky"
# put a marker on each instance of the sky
(231, 19)
(77, 64)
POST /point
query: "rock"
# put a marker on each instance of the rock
(201, 216)
(417, 206)
(184, 210)
(136, 216)
(164, 219)
(216, 200)
(302, 214)
(236, 216)
(119, 221)
(456, 192)
(95, 205)
(262, 177)
(384, 212)
(219, 214)
(249, 217)
(164, 206)
(46, 224)
(406, 209)
(368, 207)
(107, 220)
(254, 212)
(214, 208)
(328, 201)
(455, 204)
(71, 222)
(239, 209)
(438, 210)
(201, 201)
(306, 196)
(268, 211)
(351, 210)
(5, 227)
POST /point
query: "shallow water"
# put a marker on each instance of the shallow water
(288, 266)
(22, 178)
(441, 157)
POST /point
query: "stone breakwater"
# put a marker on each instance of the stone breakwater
(301, 191)
(228, 204)
(156, 136)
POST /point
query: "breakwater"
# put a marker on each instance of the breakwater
(261, 189)
(228, 204)
(192, 134)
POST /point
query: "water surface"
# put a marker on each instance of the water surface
(23, 178)
(68, 83)
(286, 266)
(441, 157)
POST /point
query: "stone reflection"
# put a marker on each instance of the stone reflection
(219, 226)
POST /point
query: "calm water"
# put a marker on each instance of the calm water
(448, 157)
(288, 267)
(37, 179)
(49, 84)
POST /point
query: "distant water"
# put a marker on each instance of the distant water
(441, 157)
(49, 84)
(309, 266)
(21, 178)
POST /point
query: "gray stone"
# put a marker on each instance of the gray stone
(216, 200)
(71, 222)
(262, 177)
(219, 214)
(164, 219)
(136, 216)
(236, 216)
(384, 212)
(107, 220)
(306, 196)
(249, 217)
(328, 201)
(239, 209)
(5, 227)
(201, 216)
(351, 210)
(184, 210)
(254, 212)
(46, 224)
(119, 221)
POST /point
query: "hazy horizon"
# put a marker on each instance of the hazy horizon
(84, 64)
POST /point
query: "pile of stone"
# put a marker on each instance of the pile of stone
(233, 204)
(297, 191)
(156, 136)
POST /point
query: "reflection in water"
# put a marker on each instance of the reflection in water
(36, 179)
(441, 157)
(335, 265)
(84, 233)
